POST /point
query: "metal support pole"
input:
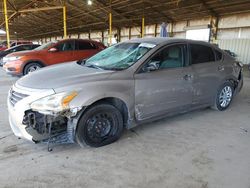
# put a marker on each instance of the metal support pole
(155, 34)
(102, 36)
(214, 29)
(6, 22)
(119, 35)
(171, 29)
(110, 28)
(129, 33)
(143, 27)
(64, 22)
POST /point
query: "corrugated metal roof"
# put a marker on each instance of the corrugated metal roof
(126, 13)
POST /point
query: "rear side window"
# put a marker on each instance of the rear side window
(84, 45)
(26, 47)
(218, 55)
(34, 46)
(201, 54)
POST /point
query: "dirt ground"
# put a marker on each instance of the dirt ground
(202, 149)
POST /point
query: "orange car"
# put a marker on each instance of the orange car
(21, 63)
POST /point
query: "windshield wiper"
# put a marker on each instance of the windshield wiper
(115, 69)
(94, 66)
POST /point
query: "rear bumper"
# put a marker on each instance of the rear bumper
(240, 83)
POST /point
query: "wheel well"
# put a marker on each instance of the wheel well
(29, 62)
(118, 103)
(235, 83)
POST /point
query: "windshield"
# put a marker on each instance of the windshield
(45, 46)
(120, 56)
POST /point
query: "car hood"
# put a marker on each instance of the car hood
(24, 53)
(62, 75)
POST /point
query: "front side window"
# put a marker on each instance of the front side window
(201, 54)
(46, 46)
(170, 57)
(66, 46)
(120, 56)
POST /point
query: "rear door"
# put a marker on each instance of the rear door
(206, 67)
(167, 87)
(85, 49)
(64, 53)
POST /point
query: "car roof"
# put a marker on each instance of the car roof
(87, 40)
(164, 40)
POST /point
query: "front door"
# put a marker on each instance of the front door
(165, 83)
(64, 53)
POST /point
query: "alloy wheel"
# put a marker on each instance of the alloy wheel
(33, 68)
(225, 96)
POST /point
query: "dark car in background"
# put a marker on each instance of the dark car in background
(18, 48)
(231, 53)
(3, 45)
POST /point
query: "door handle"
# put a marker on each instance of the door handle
(188, 77)
(221, 68)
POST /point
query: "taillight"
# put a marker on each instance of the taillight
(239, 64)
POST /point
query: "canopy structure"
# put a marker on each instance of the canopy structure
(36, 18)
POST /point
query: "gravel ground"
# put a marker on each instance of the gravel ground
(201, 149)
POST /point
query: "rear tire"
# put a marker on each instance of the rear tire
(31, 67)
(100, 125)
(224, 96)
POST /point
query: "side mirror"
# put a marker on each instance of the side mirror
(82, 61)
(53, 50)
(152, 66)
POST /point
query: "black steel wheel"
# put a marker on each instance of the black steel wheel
(100, 125)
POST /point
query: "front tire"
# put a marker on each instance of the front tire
(31, 67)
(224, 96)
(100, 125)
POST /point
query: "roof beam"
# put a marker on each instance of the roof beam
(97, 18)
(160, 13)
(210, 10)
(15, 13)
(108, 9)
(40, 9)
(12, 5)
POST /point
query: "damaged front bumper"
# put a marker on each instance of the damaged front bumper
(36, 126)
